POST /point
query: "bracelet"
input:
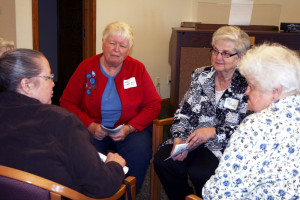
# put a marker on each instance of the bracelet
(131, 129)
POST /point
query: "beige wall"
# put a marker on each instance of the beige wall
(16, 22)
(152, 21)
(8, 20)
(24, 24)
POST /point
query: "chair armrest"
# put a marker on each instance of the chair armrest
(157, 136)
(192, 197)
(132, 181)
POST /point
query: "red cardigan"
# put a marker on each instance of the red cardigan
(83, 94)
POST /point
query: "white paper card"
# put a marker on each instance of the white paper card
(179, 148)
(240, 12)
(103, 158)
(129, 83)
(113, 131)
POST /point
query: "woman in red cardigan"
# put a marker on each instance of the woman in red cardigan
(112, 90)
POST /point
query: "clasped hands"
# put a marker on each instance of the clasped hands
(194, 140)
(100, 134)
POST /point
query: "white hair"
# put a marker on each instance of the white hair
(120, 29)
(272, 66)
(234, 34)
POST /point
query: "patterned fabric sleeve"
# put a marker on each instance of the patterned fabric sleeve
(181, 125)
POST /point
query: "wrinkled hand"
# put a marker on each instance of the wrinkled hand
(97, 131)
(116, 158)
(122, 134)
(183, 155)
(200, 136)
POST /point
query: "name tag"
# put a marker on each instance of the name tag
(129, 83)
(231, 103)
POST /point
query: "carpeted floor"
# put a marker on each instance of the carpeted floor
(144, 193)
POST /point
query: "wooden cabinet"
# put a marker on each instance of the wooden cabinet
(189, 49)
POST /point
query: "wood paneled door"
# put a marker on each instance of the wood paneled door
(76, 37)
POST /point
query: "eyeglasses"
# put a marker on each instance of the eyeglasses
(51, 76)
(223, 54)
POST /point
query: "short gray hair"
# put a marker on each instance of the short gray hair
(234, 34)
(17, 64)
(271, 66)
(120, 29)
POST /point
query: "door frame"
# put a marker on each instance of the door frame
(88, 21)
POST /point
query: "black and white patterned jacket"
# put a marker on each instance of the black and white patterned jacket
(198, 109)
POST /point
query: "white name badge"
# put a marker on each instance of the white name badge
(129, 83)
(231, 103)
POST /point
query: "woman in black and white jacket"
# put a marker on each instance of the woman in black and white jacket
(208, 114)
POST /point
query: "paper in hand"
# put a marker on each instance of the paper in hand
(179, 148)
(103, 158)
(113, 131)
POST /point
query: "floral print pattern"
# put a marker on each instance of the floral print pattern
(262, 159)
(198, 109)
(91, 82)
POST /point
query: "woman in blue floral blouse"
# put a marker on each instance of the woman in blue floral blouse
(262, 159)
(208, 114)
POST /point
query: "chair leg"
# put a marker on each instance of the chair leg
(155, 185)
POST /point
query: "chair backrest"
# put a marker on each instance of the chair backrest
(17, 190)
(16, 184)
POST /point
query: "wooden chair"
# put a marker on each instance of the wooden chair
(192, 197)
(16, 184)
(157, 138)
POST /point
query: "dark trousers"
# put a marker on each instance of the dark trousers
(136, 149)
(199, 165)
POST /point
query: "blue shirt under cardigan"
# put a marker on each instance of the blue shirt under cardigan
(111, 107)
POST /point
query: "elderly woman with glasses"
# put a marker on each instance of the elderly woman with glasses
(262, 159)
(208, 114)
(45, 139)
(114, 91)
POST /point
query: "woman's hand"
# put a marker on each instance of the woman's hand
(183, 155)
(116, 158)
(200, 136)
(97, 131)
(123, 133)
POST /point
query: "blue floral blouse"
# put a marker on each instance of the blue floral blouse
(262, 159)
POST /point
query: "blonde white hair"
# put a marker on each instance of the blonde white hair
(234, 34)
(119, 29)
